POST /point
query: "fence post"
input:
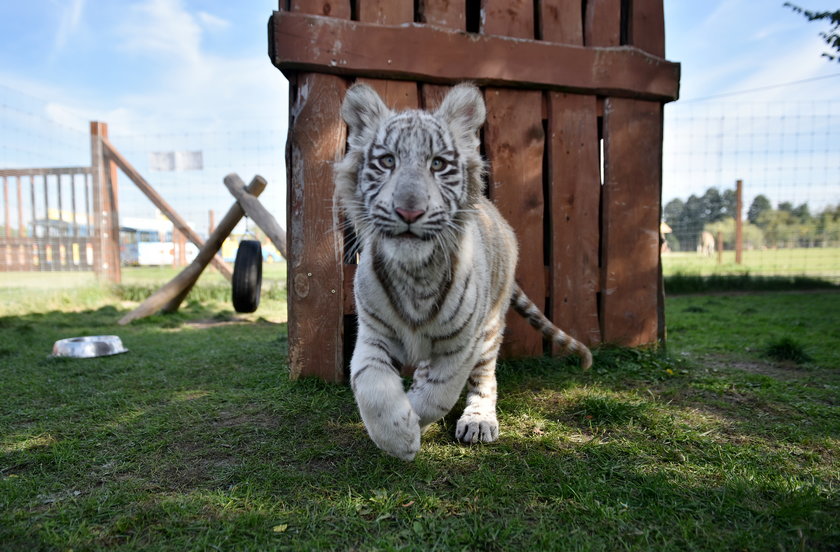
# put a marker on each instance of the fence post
(106, 225)
(739, 224)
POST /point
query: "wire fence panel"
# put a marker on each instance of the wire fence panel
(787, 154)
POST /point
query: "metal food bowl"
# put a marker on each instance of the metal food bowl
(88, 346)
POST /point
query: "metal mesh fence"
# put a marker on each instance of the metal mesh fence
(787, 154)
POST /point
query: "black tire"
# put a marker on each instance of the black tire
(247, 276)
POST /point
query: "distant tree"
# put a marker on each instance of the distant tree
(673, 211)
(778, 227)
(830, 37)
(730, 203)
(828, 226)
(713, 206)
(786, 206)
(802, 214)
(758, 206)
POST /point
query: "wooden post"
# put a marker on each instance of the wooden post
(739, 222)
(211, 221)
(315, 271)
(106, 238)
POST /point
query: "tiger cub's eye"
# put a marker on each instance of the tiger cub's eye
(438, 164)
(388, 161)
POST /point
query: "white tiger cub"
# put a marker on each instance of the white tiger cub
(436, 272)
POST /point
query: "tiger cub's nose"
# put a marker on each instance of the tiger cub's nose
(409, 215)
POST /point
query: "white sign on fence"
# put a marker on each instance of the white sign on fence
(176, 161)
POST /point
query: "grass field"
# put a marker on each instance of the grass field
(197, 440)
(816, 262)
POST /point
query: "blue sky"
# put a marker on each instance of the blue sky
(162, 66)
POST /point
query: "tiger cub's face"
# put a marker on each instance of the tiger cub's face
(409, 176)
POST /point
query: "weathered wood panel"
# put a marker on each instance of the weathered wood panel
(574, 200)
(630, 218)
(443, 13)
(310, 43)
(602, 23)
(647, 26)
(561, 21)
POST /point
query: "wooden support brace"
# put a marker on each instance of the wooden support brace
(254, 209)
(170, 296)
(161, 204)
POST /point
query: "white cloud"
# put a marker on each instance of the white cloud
(71, 16)
(156, 27)
(212, 22)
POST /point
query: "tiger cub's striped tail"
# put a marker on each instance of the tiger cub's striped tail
(525, 307)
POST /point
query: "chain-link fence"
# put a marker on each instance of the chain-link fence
(787, 155)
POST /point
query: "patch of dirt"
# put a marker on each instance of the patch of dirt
(779, 370)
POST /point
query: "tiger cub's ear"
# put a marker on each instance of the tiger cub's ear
(362, 110)
(463, 109)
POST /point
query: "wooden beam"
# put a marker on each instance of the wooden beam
(170, 296)
(254, 209)
(161, 204)
(311, 43)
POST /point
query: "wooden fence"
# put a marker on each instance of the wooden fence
(63, 219)
(574, 92)
(53, 226)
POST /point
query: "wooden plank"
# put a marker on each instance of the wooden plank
(170, 296)
(647, 26)
(161, 203)
(508, 18)
(327, 45)
(316, 141)
(386, 12)
(574, 196)
(257, 212)
(443, 13)
(561, 21)
(330, 8)
(602, 23)
(631, 214)
(514, 142)
(397, 95)
(46, 170)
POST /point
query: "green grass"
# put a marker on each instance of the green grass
(197, 440)
(816, 262)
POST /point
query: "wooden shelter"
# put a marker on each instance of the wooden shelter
(574, 92)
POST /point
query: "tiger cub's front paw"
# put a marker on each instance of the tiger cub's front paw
(477, 427)
(398, 435)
